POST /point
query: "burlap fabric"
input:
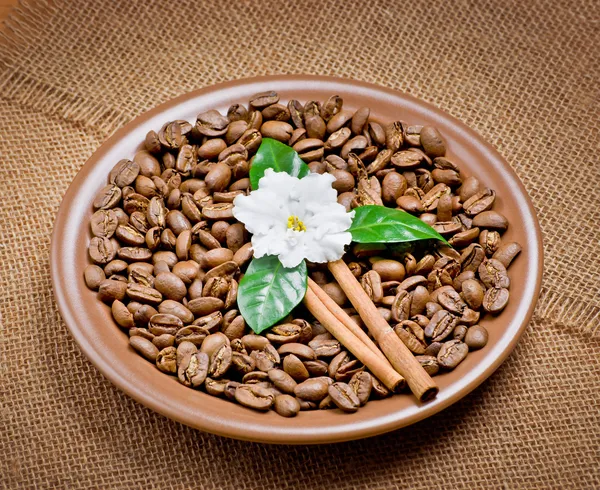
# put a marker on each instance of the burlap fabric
(526, 75)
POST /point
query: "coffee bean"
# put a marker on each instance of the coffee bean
(429, 363)
(506, 253)
(389, 270)
(286, 405)
(473, 292)
(110, 290)
(344, 397)
(264, 99)
(490, 242)
(175, 308)
(412, 336)
(432, 142)
(282, 380)
(293, 366)
(493, 274)
(278, 130)
(495, 299)
(164, 340)
(452, 354)
(441, 325)
(491, 220)
(94, 276)
(144, 347)
(313, 389)
(147, 162)
(410, 204)
(192, 370)
(479, 202)
(255, 397)
(211, 123)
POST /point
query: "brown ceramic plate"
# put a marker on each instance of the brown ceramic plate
(107, 347)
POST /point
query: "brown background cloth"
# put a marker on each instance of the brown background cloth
(525, 75)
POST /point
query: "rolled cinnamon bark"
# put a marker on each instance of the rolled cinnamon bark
(403, 361)
(344, 318)
(380, 368)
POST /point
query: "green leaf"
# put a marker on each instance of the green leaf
(279, 157)
(268, 291)
(379, 224)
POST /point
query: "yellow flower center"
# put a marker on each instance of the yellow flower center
(295, 224)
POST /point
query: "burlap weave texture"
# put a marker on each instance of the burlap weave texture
(523, 74)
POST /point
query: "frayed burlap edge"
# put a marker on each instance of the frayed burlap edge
(18, 33)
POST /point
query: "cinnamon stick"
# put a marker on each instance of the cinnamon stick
(344, 318)
(380, 368)
(403, 361)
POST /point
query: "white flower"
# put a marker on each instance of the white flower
(295, 219)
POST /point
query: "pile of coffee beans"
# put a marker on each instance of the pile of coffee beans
(168, 254)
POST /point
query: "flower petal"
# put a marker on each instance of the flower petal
(315, 189)
(326, 248)
(331, 218)
(260, 211)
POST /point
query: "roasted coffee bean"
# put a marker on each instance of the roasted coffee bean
(162, 323)
(264, 99)
(163, 341)
(122, 315)
(193, 370)
(493, 274)
(104, 222)
(294, 367)
(491, 220)
(211, 123)
(286, 405)
(175, 308)
(266, 359)
(506, 253)
(371, 283)
(278, 130)
(412, 336)
(412, 282)
(410, 204)
(282, 380)
(144, 347)
(473, 292)
(110, 290)
(313, 389)
(331, 107)
(344, 397)
(476, 337)
(429, 363)
(389, 270)
(459, 332)
(94, 276)
(361, 384)
(401, 306)
(170, 285)
(166, 360)
(284, 333)
(324, 347)
(433, 349)
(472, 258)
(441, 325)
(316, 368)
(479, 202)
(490, 242)
(464, 238)
(451, 300)
(101, 250)
(452, 354)
(255, 397)
(432, 142)
(220, 361)
(495, 299)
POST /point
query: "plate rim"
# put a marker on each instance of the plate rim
(264, 435)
